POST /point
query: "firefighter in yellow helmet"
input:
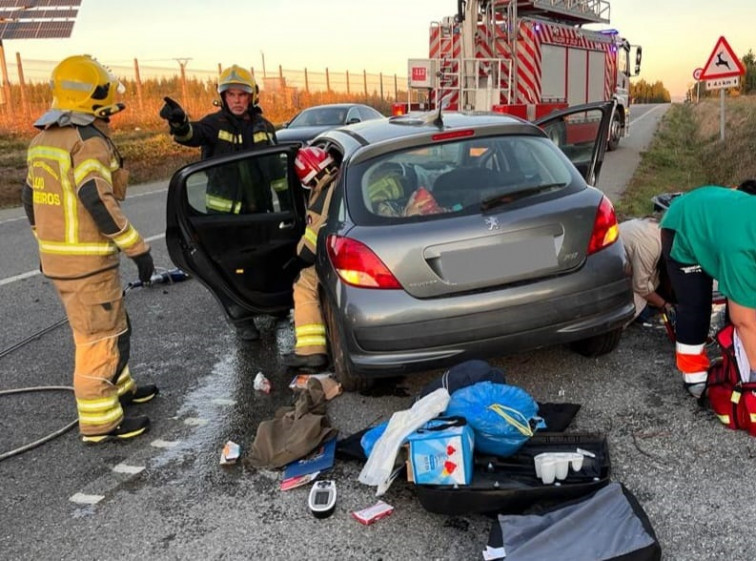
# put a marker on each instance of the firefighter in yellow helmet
(73, 187)
(238, 125)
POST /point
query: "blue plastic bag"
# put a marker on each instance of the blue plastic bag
(503, 417)
(369, 439)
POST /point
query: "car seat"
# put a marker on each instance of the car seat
(464, 186)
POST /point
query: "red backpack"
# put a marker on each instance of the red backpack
(733, 401)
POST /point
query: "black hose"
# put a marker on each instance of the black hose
(32, 337)
(26, 447)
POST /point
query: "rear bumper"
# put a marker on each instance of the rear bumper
(389, 332)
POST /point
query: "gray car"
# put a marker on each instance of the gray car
(310, 122)
(450, 236)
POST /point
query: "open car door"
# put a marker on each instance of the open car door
(233, 222)
(581, 133)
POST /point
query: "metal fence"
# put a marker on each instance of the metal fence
(24, 92)
(386, 85)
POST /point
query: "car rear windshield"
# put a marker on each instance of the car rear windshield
(463, 176)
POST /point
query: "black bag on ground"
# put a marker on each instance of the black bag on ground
(464, 374)
(509, 485)
(607, 525)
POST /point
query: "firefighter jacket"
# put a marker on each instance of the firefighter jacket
(317, 214)
(74, 182)
(245, 186)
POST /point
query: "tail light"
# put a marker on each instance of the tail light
(357, 265)
(605, 228)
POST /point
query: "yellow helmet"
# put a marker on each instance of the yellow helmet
(80, 83)
(237, 77)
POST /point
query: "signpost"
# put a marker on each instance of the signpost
(723, 70)
(33, 19)
(697, 77)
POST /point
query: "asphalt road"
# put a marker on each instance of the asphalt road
(165, 496)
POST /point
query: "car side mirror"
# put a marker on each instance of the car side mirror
(638, 55)
(353, 120)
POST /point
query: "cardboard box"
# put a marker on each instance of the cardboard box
(440, 454)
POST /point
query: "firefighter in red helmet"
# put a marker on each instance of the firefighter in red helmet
(71, 197)
(317, 171)
(238, 125)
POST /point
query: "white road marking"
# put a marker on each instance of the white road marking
(82, 499)
(164, 443)
(195, 421)
(221, 401)
(125, 468)
(646, 114)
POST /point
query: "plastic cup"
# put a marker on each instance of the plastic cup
(561, 468)
(538, 460)
(577, 462)
(548, 471)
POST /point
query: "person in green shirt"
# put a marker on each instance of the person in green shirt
(710, 233)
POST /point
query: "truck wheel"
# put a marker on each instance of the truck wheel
(615, 133)
(342, 366)
(599, 344)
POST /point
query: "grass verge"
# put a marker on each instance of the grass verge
(687, 153)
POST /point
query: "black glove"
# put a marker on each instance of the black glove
(145, 266)
(294, 265)
(173, 113)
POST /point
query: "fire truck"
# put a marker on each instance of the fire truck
(526, 58)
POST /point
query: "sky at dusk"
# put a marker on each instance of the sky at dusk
(677, 36)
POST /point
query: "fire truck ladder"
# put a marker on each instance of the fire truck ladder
(576, 12)
(448, 67)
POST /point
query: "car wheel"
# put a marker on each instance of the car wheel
(599, 344)
(342, 366)
(615, 131)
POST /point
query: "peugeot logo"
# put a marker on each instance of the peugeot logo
(492, 222)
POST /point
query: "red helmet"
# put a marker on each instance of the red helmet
(311, 164)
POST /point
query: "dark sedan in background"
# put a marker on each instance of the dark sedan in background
(310, 122)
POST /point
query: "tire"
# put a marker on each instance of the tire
(598, 344)
(350, 380)
(615, 133)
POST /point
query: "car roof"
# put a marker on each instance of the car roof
(417, 128)
(333, 106)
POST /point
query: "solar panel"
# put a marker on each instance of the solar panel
(37, 3)
(37, 19)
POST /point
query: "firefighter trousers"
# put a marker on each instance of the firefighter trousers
(309, 328)
(101, 331)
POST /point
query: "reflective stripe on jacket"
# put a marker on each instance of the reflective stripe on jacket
(70, 203)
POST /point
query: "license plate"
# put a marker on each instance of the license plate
(505, 261)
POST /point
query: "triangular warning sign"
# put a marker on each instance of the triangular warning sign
(722, 63)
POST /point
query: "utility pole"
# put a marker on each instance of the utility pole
(182, 64)
(262, 54)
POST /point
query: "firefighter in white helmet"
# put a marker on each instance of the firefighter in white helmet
(238, 125)
(73, 187)
(317, 171)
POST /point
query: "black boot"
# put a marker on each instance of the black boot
(143, 394)
(293, 360)
(130, 427)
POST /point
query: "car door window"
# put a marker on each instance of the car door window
(249, 186)
(366, 114)
(581, 133)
